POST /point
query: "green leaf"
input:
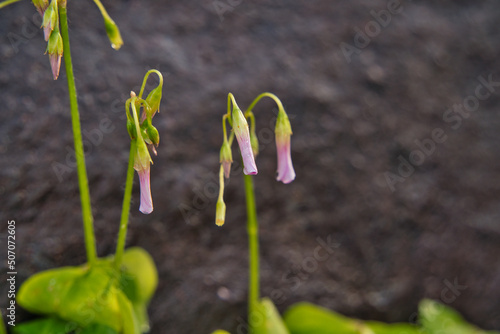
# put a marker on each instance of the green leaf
(43, 292)
(98, 329)
(92, 298)
(138, 281)
(306, 318)
(44, 326)
(438, 318)
(220, 331)
(268, 321)
(130, 322)
(140, 271)
(395, 328)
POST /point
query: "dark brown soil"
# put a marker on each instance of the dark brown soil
(410, 82)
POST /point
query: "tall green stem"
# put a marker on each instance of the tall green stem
(253, 248)
(122, 234)
(88, 220)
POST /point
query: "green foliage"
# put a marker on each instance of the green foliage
(438, 318)
(268, 320)
(220, 331)
(435, 318)
(98, 299)
(43, 326)
(139, 280)
(57, 326)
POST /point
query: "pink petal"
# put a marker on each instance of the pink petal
(286, 173)
(55, 64)
(246, 152)
(146, 206)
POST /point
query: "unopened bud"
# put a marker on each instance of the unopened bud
(131, 129)
(255, 143)
(50, 19)
(55, 51)
(153, 100)
(113, 32)
(226, 158)
(220, 212)
(41, 6)
(153, 135)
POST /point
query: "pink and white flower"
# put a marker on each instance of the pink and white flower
(242, 133)
(283, 131)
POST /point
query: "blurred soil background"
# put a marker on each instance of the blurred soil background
(430, 228)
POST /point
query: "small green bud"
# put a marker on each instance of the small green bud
(153, 100)
(131, 129)
(220, 212)
(41, 5)
(55, 51)
(113, 32)
(226, 158)
(255, 143)
(50, 20)
(153, 134)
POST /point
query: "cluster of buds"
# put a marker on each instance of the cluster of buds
(50, 24)
(144, 135)
(249, 146)
(51, 32)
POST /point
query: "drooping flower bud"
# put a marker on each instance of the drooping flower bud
(50, 19)
(220, 208)
(283, 131)
(226, 158)
(240, 127)
(55, 51)
(153, 135)
(142, 166)
(255, 143)
(41, 6)
(111, 28)
(113, 32)
(131, 129)
(153, 100)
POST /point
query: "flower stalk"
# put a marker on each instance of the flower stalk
(88, 220)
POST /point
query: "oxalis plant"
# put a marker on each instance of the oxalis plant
(111, 294)
(302, 318)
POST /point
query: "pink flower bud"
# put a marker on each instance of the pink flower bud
(146, 206)
(283, 131)
(240, 127)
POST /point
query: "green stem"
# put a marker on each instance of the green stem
(7, 2)
(88, 225)
(270, 95)
(160, 78)
(122, 234)
(253, 249)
